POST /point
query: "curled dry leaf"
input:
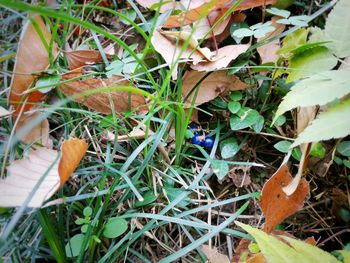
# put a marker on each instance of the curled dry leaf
(136, 133)
(213, 255)
(79, 58)
(192, 15)
(32, 57)
(212, 86)
(73, 150)
(102, 102)
(275, 203)
(171, 52)
(24, 174)
(268, 51)
(193, 43)
(222, 59)
(305, 115)
(39, 133)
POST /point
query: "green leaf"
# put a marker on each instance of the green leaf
(277, 251)
(310, 62)
(74, 245)
(87, 212)
(337, 29)
(115, 227)
(80, 221)
(329, 124)
(173, 193)
(234, 106)
(318, 151)
(84, 228)
(243, 32)
(293, 41)
(220, 168)
(259, 124)
(283, 146)
(148, 198)
(278, 12)
(344, 148)
(346, 163)
(296, 153)
(129, 13)
(316, 90)
(246, 117)
(50, 80)
(229, 148)
(236, 95)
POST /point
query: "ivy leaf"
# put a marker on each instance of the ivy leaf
(319, 89)
(220, 168)
(329, 124)
(246, 118)
(310, 62)
(283, 146)
(344, 148)
(115, 227)
(337, 29)
(229, 148)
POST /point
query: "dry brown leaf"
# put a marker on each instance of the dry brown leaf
(190, 16)
(101, 102)
(73, 150)
(39, 134)
(24, 174)
(193, 43)
(224, 57)
(202, 26)
(268, 52)
(211, 87)
(275, 203)
(304, 116)
(213, 255)
(79, 58)
(32, 57)
(171, 52)
(136, 133)
(4, 112)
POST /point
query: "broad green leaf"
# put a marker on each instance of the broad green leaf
(229, 148)
(115, 227)
(344, 148)
(259, 124)
(277, 251)
(73, 247)
(310, 62)
(309, 252)
(296, 153)
(148, 198)
(316, 90)
(246, 118)
(236, 95)
(283, 146)
(332, 123)
(280, 120)
(274, 250)
(293, 41)
(243, 32)
(337, 29)
(345, 254)
(234, 106)
(220, 168)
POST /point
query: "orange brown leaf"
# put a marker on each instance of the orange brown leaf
(79, 58)
(102, 102)
(72, 151)
(32, 57)
(275, 204)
